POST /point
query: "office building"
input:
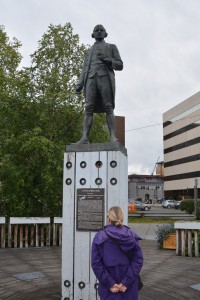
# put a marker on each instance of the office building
(181, 138)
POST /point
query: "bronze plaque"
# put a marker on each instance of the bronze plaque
(90, 209)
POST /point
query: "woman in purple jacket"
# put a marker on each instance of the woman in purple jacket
(117, 259)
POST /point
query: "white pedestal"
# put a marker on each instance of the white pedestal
(95, 178)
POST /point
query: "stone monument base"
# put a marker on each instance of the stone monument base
(95, 178)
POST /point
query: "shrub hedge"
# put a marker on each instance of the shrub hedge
(188, 206)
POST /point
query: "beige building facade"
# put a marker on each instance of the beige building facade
(181, 138)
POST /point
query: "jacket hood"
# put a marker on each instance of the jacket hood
(126, 238)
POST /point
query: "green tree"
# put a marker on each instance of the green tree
(9, 61)
(10, 81)
(43, 115)
(56, 66)
(54, 71)
(187, 205)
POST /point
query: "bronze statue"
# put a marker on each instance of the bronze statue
(98, 81)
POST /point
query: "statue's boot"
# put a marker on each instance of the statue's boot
(111, 126)
(87, 124)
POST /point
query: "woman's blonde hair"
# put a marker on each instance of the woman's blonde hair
(116, 216)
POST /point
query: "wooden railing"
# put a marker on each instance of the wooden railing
(41, 232)
(2, 232)
(187, 238)
(30, 232)
(57, 231)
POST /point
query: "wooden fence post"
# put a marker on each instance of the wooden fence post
(57, 231)
(187, 231)
(2, 226)
(31, 232)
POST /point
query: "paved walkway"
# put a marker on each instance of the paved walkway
(45, 260)
(165, 275)
(145, 231)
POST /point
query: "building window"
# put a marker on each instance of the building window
(182, 145)
(182, 176)
(181, 130)
(182, 160)
(182, 115)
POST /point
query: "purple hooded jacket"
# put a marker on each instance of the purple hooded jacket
(111, 266)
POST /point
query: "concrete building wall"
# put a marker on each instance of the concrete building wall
(181, 136)
(145, 187)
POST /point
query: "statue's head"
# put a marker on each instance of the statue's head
(99, 32)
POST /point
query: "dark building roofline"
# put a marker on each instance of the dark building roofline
(144, 176)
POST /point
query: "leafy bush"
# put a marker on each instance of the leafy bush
(187, 205)
(162, 233)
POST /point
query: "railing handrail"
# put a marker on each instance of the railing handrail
(187, 225)
(29, 220)
(160, 215)
(58, 220)
(2, 220)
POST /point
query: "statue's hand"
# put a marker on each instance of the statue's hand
(105, 58)
(78, 89)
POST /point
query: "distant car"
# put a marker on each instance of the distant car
(138, 199)
(177, 204)
(168, 203)
(148, 201)
(141, 206)
(160, 201)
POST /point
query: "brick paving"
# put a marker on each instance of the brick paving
(165, 275)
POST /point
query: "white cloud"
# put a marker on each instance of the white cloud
(158, 40)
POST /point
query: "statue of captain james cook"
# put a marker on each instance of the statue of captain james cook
(98, 81)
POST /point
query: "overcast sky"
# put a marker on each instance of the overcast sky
(158, 40)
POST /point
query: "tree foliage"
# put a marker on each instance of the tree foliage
(39, 115)
(9, 80)
(187, 205)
